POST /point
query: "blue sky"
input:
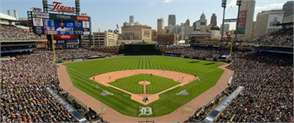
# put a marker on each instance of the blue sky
(107, 13)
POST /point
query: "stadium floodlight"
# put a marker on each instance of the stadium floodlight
(45, 5)
(77, 3)
(224, 5)
(239, 2)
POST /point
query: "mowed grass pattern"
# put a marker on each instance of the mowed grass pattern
(207, 71)
(157, 84)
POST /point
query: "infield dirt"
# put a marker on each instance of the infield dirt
(106, 78)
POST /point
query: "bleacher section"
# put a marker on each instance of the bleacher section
(139, 49)
(17, 40)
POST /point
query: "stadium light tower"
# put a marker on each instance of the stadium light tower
(239, 2)
(45, 6)
(224, 5)
(77, 3)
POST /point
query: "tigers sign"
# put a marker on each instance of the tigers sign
(59, 7)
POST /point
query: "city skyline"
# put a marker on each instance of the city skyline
(107, 13)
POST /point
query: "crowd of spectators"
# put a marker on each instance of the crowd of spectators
(70, 54)
(281, 38)
(197, 52)
(24, 97)
(11, 32)
(266, 77)
(267, 96)
(23, 91)
(112, 50)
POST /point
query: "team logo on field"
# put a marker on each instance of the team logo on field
(145, 111)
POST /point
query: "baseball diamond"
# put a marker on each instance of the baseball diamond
(156, 83)
(122, 76)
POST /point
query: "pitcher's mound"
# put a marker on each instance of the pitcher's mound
(144, 83)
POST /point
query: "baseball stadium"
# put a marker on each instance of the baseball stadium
(56, 68)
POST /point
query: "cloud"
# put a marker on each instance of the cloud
(269, 7)
(167, 1)
(232, 4)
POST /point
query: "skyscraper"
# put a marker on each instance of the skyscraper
(172, 20)
(203, 23)
(131, 19)
(245, 26)
(203, 20)
(187, 23)
(289, 12)
(160, 25)
(213, 20)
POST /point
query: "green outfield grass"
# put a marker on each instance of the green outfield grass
(207, 71)
(157, 84)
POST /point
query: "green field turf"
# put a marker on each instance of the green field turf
(207, 71)
(157, 84)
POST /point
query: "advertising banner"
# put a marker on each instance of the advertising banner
(86, 23)
(65, 37)
(274, 20)
(37, 17)
(242, 22)
(37, 22)
(37, 14)
(62, 17)
(83, 18)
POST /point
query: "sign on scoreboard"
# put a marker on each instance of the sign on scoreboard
(60, 8)
(38, 17)
(86, 23)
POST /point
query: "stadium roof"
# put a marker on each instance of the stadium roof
(6, 17)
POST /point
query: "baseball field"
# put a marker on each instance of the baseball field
(128, 83)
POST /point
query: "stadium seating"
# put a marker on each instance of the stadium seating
(24, 97)
(267, 78)
(71, 54)
(197, 52)
(10, 32)
(268, 94)
(281, 38)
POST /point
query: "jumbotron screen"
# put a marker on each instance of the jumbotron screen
(63, 25)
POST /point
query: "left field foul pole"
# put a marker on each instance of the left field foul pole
(45, 10)
(53, 49)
